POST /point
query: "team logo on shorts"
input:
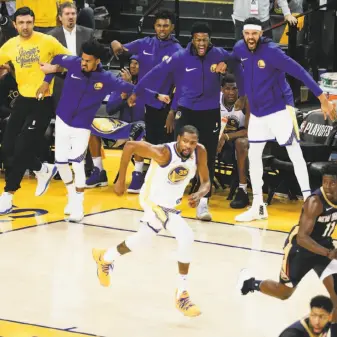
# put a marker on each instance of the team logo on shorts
(98, 86)
(178, 174)
(178, 115)
(213, 68)
(261, 64)
(166, 57)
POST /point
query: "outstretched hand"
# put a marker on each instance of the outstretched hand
(193, 200)
(119, 187)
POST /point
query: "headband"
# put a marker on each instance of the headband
(252, 27)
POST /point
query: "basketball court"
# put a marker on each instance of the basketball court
(49, 288)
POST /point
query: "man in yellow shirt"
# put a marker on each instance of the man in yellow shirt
(45, 12)
(31, 115)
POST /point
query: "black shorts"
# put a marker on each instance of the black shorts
(298, 261)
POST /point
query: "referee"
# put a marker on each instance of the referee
(31, 116)
(195, 72)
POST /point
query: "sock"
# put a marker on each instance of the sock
(8, 195)
(182, 285)
(98, 162)
(256, 285)
(71, 189)
(333, 330)
(44, 169)
(203, 201)
(139, 166)
(306, 194)
(111, 254)
(244, 187)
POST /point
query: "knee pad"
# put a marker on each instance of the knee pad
(79, 172)
(141, 239)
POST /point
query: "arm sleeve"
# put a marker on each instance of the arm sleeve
(285, 63)
(284, 7)
(134, 46)
(162, 70)
(64, 61)
(114, 103)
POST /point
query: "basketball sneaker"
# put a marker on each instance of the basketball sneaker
(69, 206)
(203, 213)
(136, 182)
(6, 202)
(245, 282)
(44, 178)
(256, 212)
(76, 207)
(97, 178)
(185, 306)
(103, 267)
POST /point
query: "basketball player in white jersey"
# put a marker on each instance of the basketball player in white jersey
(234, 139)
(172, 167)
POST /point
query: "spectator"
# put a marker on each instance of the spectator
(234, 139)
(31, 117)
(152, 51)
(117, 103)
(243, 9)
(71, 36)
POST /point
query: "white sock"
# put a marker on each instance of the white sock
(244, 187)
(203, 201)
(182, 284)
(71, 189)
(111, 254)
(98, 162)
(139, 166)
(44, 168)
(306, 195)
(8, 195)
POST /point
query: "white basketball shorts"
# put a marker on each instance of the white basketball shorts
(280, 126)
(70, 143)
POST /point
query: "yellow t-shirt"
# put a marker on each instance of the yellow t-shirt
(45, 11)
(26, 56)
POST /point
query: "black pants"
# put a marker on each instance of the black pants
(155, 120)
(23, 135)
(208, 124)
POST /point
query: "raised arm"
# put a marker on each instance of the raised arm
(159, 153)
(283, 62)
(203, 172)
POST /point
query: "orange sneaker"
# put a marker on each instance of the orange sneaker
(103, 267)
(185, 306)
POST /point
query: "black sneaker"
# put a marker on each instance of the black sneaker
(241, 199)
(245, 282)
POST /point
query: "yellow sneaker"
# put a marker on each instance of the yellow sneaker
(184, 305)
(103, 267)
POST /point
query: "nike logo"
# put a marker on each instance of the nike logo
(145, 53)
(75, 77)
(30, 128)
(244, 59)
(216, 130)
(328, 209)
(190, 69)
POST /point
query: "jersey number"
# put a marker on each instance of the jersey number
(329, 229)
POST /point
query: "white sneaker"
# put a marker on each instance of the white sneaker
(258, 212)
(6, 203)
(44, 178)
(203, 213)
(76, 208)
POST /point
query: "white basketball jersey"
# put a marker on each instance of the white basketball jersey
(234, 119)
(165, 185)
